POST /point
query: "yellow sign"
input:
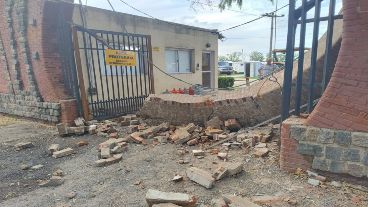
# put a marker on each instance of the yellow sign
(120, 58)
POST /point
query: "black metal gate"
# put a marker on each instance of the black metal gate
(109, 91)
(298, 16)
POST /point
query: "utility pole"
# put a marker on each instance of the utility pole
(273, 16)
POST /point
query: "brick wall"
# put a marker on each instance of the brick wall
(31, 78)
(182, 109)
(344, 104)
(290, 159)
(323, 149)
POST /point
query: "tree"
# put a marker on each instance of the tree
(234, 57)
(222, 58)
(256, 56)
(281, 57)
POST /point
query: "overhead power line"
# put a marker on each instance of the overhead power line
(253, 20)
(137, 9)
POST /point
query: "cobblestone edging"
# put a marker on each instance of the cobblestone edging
(28, 106)
(333, 150)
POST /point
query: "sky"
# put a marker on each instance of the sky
(245, 39)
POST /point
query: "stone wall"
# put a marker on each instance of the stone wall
(336, 151)
(28, 106)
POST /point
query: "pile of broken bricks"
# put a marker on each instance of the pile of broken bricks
(156, 198)
(228, 133)
(110, 151)
(80, 127)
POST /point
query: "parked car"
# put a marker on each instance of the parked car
(225, 67)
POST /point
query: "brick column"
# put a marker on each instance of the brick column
(290, 159)
(68, 111)
(344, 104)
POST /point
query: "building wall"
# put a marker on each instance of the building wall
(163, 35)
(344, 104)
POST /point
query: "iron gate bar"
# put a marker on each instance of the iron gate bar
(108, 101)
(139, 60)
(151, 80)
(88, 71)
(321, 19)
(286, 93)
(312, 72)
(299, 81)
(100, 72)
(327, 64)
(117, 76)
(135, 72)
(144, 71)
(94, 73)
(127, 81)
(131, 79)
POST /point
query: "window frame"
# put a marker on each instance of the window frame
(191, 58)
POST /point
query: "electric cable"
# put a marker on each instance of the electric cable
(253, 20)
(151, 62)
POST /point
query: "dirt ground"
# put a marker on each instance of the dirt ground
(142, 167)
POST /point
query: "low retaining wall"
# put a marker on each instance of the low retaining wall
(323, 149)
(29, 106)
(183, 109)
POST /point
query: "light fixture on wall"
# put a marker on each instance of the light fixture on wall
(208, 45)
(197, 68)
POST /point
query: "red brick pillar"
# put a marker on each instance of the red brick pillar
(344, 104)
(290, 159)
(68, 111)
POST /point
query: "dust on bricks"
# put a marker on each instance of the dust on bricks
(268, 200)
(63, 153)
(200, 176)
(234, 168)
(198, 152)
(53, 148)
(220, 173)
(218, 203)
(105, 153)
(260, 152)
(23, 145)
(104, 162)
(54, 181)
(159, 197)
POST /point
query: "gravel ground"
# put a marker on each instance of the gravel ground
(143, 167)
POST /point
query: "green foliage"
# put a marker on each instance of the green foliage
(225, 82)
(228, 3)
(222, 58)
(234, 57)
(281, 57)
(256, 56)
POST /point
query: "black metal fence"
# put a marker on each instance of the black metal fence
(112, 91)
(298, 16)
